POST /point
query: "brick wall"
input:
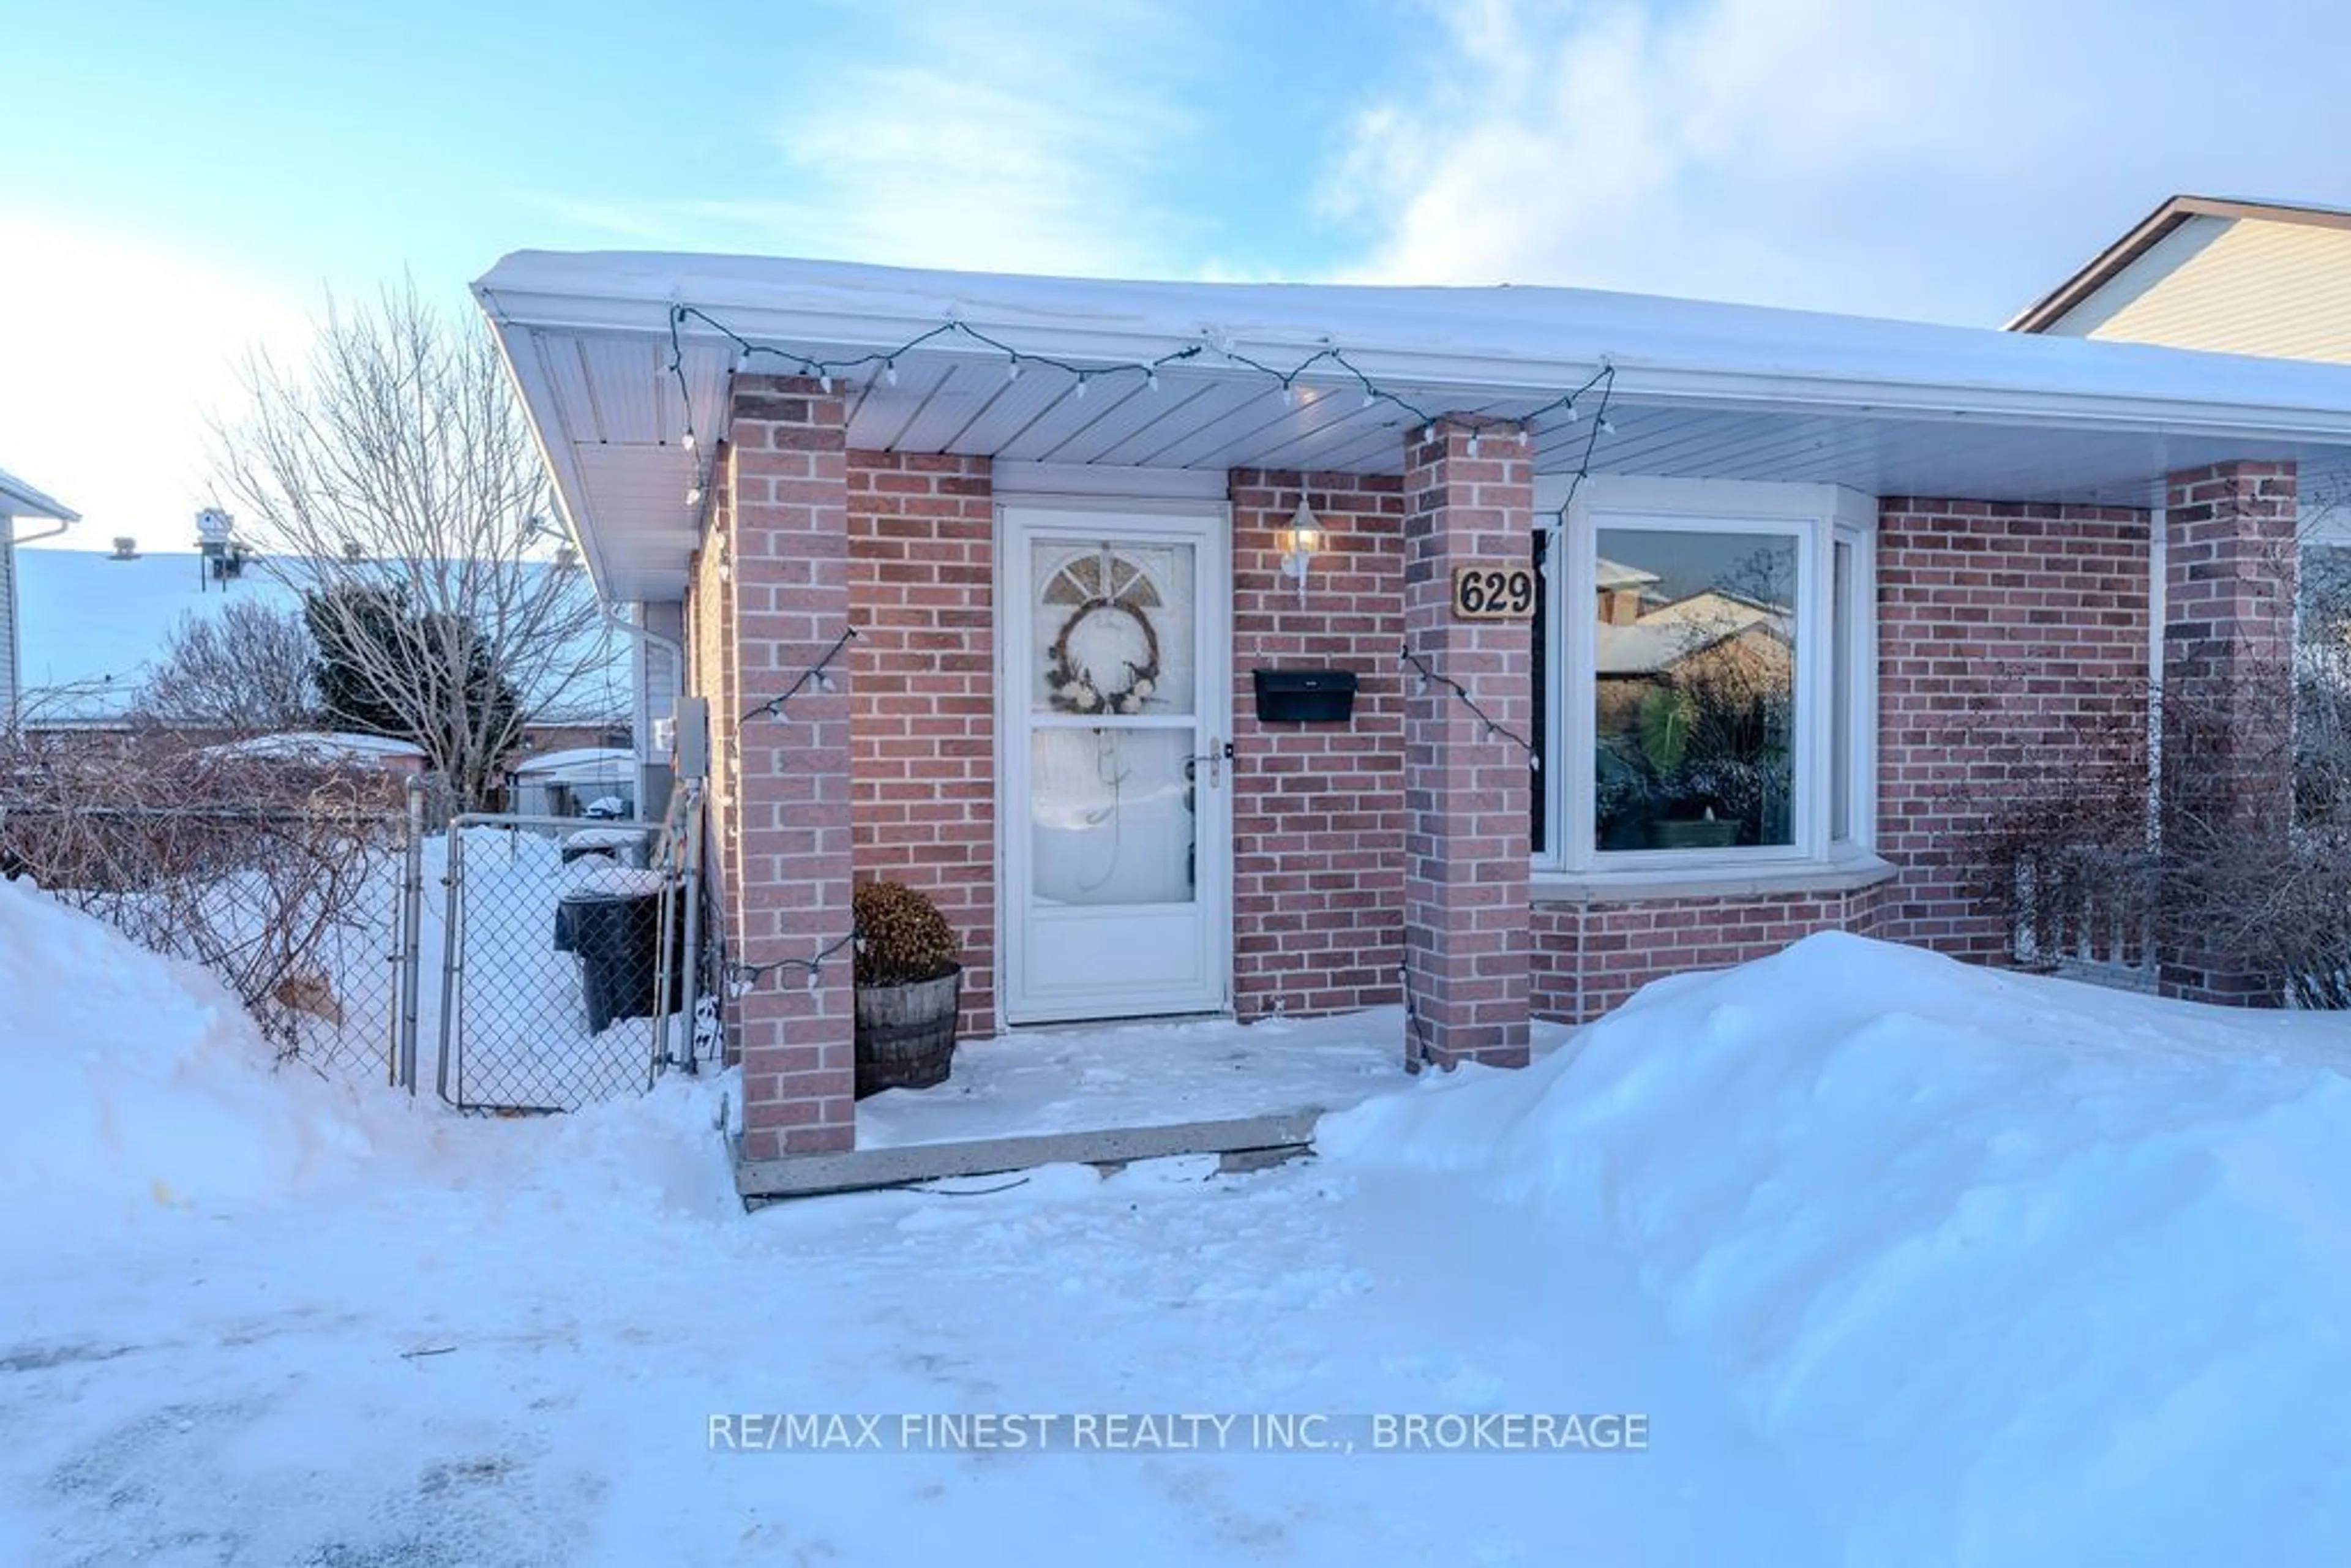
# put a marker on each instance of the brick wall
(2004, 629)
(1591, 957)
(1317, 809)
(2007, 634)
(924, 787)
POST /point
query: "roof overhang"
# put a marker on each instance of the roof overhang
(613, 382)
(18, 500)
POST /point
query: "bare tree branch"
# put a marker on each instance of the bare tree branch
(248, 670)
(396, 467)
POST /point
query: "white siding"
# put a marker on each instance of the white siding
(2241, 285)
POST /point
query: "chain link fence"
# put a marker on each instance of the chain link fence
(295, 889)
(560, 969)
(566, 974)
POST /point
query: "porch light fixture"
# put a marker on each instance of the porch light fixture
(1300, 542)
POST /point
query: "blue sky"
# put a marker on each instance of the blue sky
(180, 181)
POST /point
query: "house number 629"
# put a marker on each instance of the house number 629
(1493, 592)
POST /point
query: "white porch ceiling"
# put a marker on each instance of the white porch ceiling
(595, 371)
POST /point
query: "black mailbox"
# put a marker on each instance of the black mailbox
(1305, 697)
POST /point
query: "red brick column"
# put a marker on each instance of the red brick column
(786, 475)
(2228, 687)
(1466, 939)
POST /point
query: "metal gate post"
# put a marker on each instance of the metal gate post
(665, 955)
(691, 1001)
(411, 953)
(452, 948)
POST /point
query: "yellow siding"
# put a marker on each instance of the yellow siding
(2245, 286)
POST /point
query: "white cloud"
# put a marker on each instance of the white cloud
(1947, 162)
(1021, 136)
(115, 350)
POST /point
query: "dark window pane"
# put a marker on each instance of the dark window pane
(1695, 690)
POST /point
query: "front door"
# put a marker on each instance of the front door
(1114, 789)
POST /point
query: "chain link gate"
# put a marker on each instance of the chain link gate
(567, 970)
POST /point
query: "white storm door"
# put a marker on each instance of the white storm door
(1114, 705)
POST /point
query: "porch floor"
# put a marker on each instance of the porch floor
(1098, 1077)
(1109, 1094)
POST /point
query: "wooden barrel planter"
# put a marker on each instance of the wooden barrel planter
(906, 1034)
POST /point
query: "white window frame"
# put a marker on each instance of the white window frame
(1818, 518)
(1857, 632)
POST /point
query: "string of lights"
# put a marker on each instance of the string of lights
(1429, 676)
(742, 977)
(1600, 426)
(813, 676)
(1326, 362)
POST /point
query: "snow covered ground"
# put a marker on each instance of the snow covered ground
(1900, 1262)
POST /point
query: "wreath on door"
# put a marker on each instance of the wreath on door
(1078, 690)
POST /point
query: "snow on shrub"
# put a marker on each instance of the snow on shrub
(136, 1084)
(2013, 1271)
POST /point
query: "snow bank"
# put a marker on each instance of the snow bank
(135, 1085)
(2011, 1271)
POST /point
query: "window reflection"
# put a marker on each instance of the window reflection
(1695, 689)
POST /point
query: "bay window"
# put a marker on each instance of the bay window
(1706, 681)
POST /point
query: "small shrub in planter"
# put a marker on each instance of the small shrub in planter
(908, 989)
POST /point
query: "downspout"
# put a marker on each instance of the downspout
(16, 612)
(2157, 558)
(35, 539)
(676, 651)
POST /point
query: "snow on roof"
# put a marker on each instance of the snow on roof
(618, 356)
(89, 625)
(314, 746)
(93, 626)
(18, 500)
(1665, 635)
(1492, 340)
(1613, 574)
(594, 762)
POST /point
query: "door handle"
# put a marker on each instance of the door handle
(1216, 757)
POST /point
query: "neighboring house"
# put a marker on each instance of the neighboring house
(1070, 521)
(18, 500)
(2200, 272)
(331, 749)
(1694, 702)
(566, 783)
(2271, 279)
(96, 625)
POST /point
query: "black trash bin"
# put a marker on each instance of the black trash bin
(623, 845)
(614, 928)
